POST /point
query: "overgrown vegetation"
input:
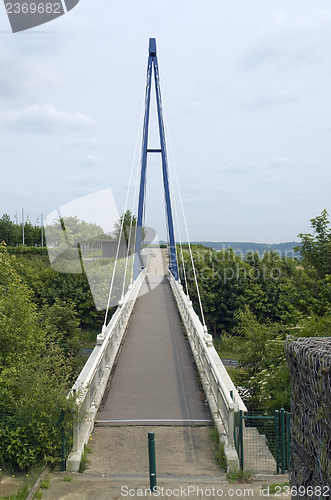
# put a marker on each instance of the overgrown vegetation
(220, 457)
(38, 346)
(84, 460)
(20, 495)
(220, 454)
(277, 488)
(242, 476)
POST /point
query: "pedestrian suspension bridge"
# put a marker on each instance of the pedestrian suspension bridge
(154, 363)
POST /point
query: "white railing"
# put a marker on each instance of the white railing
(222, 395)
(91, 382)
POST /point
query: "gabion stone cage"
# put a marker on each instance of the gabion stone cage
(309, 363)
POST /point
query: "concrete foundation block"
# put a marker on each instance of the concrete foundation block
(232, 458)
(73, 461)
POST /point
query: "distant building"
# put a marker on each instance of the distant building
(109, 248)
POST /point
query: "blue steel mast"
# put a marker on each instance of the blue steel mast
(153, 63)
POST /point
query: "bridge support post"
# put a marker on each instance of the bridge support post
(75, 433)
(152, 464)
(230, 451)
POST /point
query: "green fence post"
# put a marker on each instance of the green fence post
(63, 439)
(152, 464)
(241, 440)
(277, 441)
(282, 439)
(288, 433)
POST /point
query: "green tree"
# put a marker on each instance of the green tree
(35, 376)
(18, 314)
(309, 291)
(72, 231)
(61, 324)
(316, 249)
(10, 233)
(49, 285)
(127, 225)
(263, 370)
(227, 283)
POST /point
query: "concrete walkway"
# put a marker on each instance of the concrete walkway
(154, 381)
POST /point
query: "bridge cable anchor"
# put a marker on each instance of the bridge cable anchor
(208, 338)
(101, 336)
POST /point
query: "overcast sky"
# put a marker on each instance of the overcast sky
(246, 91)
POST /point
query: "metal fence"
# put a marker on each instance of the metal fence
(263, 441)
(66, 424)
(309, 362)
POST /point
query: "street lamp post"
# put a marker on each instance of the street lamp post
(28, 218)
(42, 229)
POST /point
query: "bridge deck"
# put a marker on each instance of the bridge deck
(154, 382)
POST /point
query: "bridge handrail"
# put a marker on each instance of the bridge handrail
(206, 355)
(86, 375)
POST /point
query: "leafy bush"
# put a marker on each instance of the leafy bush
(20, 250)
(35, 375)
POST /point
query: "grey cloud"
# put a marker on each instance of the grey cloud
(275, 93)
(271, 164)
(45, 119)
(91, 161)
(81, 190)
(278, 162)
(24, 78)
(75, 178)
(81, 142)
(21, 194)
(240, 166)
(296, 44)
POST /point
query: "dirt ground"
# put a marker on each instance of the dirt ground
(178, 450)
(185, 467)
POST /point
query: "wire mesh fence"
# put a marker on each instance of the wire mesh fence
(263, 441)
(66, 425)
(309, 363)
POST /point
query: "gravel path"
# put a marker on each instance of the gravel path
(179, 450)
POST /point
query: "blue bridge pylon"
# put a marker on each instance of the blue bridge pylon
(153, 63)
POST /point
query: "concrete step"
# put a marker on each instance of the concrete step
(257, 456)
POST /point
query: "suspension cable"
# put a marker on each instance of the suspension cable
(188, 239)
(121, 231)
(135, 232)
(134, 199)
(179, 236)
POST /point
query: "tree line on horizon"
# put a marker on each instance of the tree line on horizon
(76, 231)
